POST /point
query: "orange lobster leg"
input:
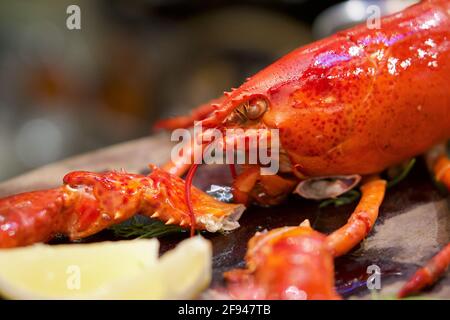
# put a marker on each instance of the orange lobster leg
(427, 275)
(186, 160)
(244, 183)
(362, 219)
(266, 190)
(198, 114)
(442, 170)
(180, 167)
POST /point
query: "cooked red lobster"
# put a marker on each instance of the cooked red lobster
(346, 108)
(351, 105)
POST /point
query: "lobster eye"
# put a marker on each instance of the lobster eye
(256, 109)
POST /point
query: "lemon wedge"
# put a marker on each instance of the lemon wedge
(106, 270)
(182, 273)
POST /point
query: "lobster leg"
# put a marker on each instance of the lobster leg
(198, 114)
(266, 190)
(182, 165)
(362, 219)
(427, 275)
(442, 171)
(436, 267)
(244, 183)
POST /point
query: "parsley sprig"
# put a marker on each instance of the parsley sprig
(144, 228)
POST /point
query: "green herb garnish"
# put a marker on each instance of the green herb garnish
(346, 198)
(135, 228)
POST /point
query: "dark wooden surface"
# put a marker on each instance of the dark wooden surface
(414, 221)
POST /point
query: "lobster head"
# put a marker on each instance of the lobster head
(308, 97)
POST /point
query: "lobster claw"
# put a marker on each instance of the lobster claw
(291, 263)
(98, 200)
(90, 202)
(24, 218)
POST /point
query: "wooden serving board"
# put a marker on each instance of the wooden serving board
(414, 220)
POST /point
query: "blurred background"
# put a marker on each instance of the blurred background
(64, 92)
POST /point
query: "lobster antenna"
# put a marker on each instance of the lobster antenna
(188, 187)
(233, 170)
